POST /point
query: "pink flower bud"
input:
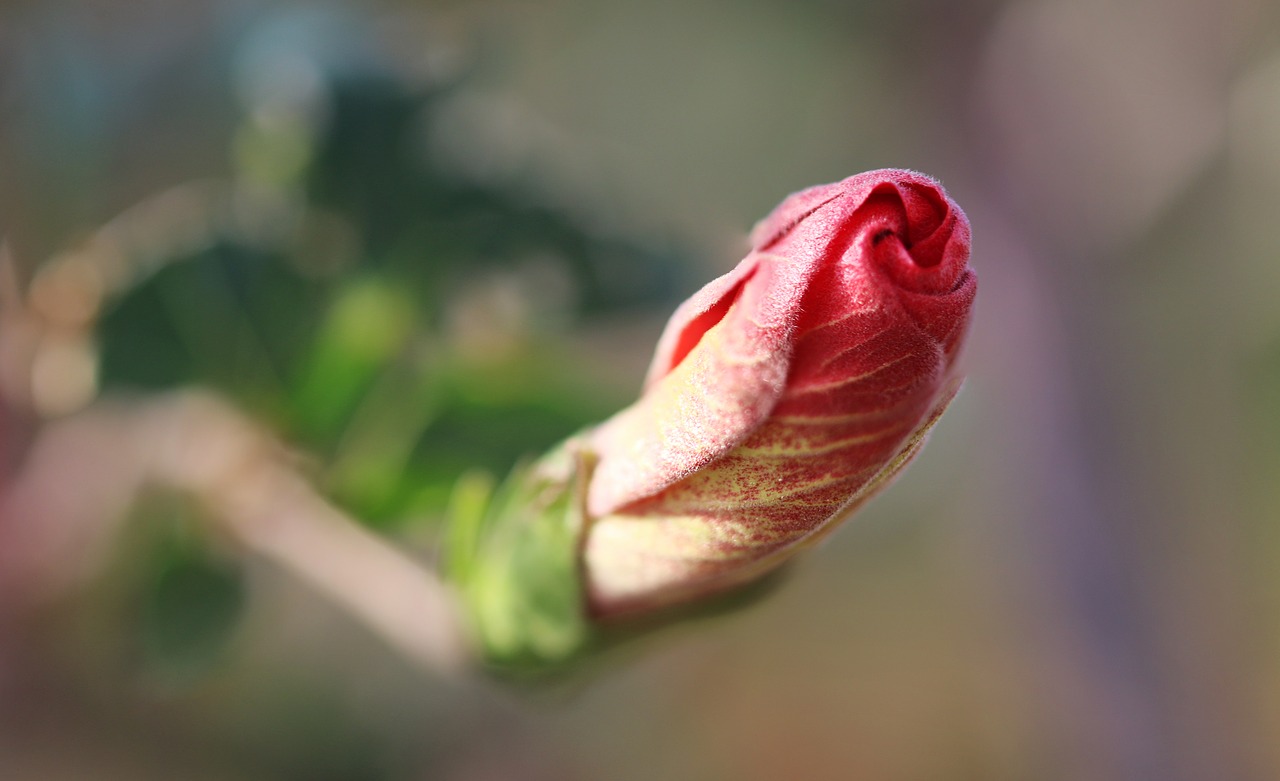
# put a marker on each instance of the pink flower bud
(783, 394)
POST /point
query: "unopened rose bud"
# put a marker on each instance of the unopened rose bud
(782, 395)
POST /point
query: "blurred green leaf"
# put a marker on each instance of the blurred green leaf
(368, 323)
(191, 610)
(230, 317)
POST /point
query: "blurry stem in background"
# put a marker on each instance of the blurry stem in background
(195, 443)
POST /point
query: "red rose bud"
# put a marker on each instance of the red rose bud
(782, 394)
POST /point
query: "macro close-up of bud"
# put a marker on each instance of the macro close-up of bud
(782, 395)
(574, 390)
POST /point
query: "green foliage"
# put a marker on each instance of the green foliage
(389, 318)
(336, 322)
(191, 606)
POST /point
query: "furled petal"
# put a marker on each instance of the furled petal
(784, 394)
(720, 368)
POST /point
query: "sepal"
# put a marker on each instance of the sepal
(513, 556)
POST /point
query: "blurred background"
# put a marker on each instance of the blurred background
(363, 250)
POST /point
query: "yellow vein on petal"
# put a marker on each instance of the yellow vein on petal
(806, 449)
(826, 386)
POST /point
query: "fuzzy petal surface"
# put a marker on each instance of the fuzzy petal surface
(783, 394)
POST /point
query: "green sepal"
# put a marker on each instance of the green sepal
(516, 563)
(514, 554)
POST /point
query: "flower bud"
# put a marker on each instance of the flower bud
(782, 395)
